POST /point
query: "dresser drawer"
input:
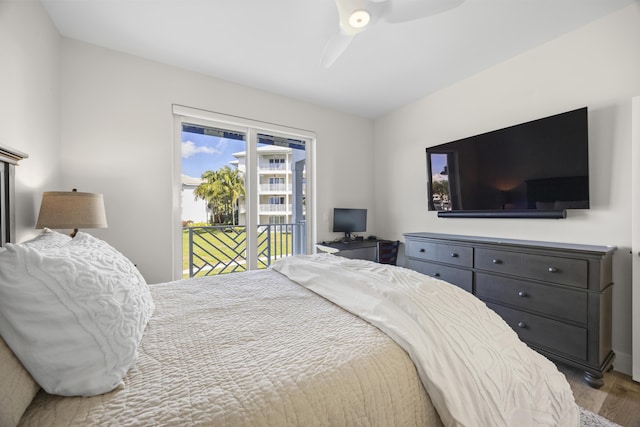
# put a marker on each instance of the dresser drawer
(560, 303)
(441, 252)
(498, 261)
(566, 271)
(420, 250)
(455, 276)
(454, 254)
(546, 333)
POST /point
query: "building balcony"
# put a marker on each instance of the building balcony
(264, 167)
(275, 188)
(273, 209)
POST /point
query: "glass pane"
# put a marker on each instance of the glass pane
(213, 236)
(215, 200)
(281, 170)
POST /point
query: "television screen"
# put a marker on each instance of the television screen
(349, 221)
(541, 165)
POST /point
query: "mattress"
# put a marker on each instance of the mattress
(257, 349)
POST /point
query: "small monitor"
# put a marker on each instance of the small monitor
(349, 221)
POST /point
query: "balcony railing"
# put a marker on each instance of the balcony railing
(275, 188)
(266, 166)
(216, 250)
(268, 208)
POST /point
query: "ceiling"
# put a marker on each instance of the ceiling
(276, 45)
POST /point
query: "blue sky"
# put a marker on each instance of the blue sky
(438, 162)
(201, 153)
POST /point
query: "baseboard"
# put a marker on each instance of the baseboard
(623, 362)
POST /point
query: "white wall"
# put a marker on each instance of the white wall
(29, 104)
(597, 66)
(117, 139)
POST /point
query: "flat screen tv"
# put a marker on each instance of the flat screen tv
(536, 169)
(349, 221)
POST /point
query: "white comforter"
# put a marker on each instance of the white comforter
(475, 369)
(252, 349)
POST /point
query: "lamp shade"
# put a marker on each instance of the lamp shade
(71, 210)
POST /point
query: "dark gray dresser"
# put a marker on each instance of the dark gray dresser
(556, 296)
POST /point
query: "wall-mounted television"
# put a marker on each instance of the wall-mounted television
(536, 169)
(349, 221)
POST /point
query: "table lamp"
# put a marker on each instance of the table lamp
(71, 210)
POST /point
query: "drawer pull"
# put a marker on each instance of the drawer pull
(522, 294)
(454, 255)
(553, 270)
(496, 261)
(421, 250)
(522, 325)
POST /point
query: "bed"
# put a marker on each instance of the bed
(314, 340)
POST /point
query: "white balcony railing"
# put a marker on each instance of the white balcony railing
(266, 166)
(275, 209)
(275, 188)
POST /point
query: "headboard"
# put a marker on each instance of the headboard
(9, 158)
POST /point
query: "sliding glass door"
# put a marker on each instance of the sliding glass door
(244, 194)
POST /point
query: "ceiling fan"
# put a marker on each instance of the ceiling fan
(357, 15)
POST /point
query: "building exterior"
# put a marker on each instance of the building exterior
(280, 172)
(192, 210)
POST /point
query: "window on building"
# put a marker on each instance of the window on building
(276, 200)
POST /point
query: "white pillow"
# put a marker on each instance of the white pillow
(48, 239)
(73, 315)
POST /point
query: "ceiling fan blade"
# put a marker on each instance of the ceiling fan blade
(351, 22)
(334, 48)
(409, 10)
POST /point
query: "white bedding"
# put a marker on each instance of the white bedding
(252, 349)
(475, 369)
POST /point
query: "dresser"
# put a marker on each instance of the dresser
(556, 296)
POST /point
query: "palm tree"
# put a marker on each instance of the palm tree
(221, 190)
(233, 184)
(205, 191)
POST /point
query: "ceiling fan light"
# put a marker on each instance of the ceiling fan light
(359, 19)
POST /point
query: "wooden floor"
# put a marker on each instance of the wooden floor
(618, 400)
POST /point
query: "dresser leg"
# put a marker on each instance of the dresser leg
(593, 379)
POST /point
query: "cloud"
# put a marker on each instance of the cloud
(189, 148)
(222, 144)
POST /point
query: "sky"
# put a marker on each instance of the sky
(201, 153)
(438, 162)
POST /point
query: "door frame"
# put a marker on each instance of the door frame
(183, 114)
(635, 238)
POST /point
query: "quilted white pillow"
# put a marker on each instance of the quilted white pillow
(73, 315)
